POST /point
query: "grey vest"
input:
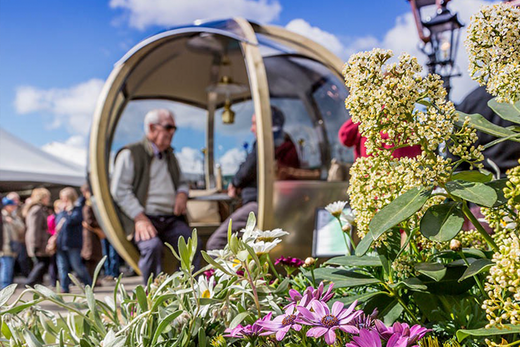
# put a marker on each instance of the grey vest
(142, 155)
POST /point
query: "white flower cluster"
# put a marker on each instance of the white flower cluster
(503, 285)
(385, 100)
(493, 46)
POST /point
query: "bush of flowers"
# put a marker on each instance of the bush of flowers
(414, 279)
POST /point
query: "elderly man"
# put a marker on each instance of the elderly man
(147, 186)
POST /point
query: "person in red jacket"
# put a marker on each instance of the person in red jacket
(349, 136)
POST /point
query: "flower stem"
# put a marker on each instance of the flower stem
(313, 278)
(345, 239)
(401, 302)
(255, 294)
(479, 227)
(479, 283)
(273, 269)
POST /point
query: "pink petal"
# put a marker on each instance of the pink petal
(280, 334)
(330, 337)
(307, 315)
(336, 308)
(317, 331)
(320, 308)
(296, 327)
(349, 329)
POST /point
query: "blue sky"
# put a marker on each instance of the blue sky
(55, 55)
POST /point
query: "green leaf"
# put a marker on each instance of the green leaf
(473, 176)
(393, 313)
(392, 214)
(449, 284)
(30, 339)
(483, 332)
(111, 340)
(6, 293)
(478, 266)
(251, 221)
(343, 278)
(361, 298)
(238, 319)
(356, 282)
(141, 298)
(19, 307)
(184, 253)
(442, 222)
(202, 338)
(506, 110)
(352, 260)
(413, 283)
(482, 124)
(435, 271)
(46, 292)
(498, 186)
(163, 324)
(99, 266)
(475, 192)
(215, 264)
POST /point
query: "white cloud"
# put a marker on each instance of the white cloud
(325, 38)
(402, 37)
(70, 107)
(231, 160)
(144, 13)
(73, 149)
(190, 160)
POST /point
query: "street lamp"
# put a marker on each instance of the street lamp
(441, 41)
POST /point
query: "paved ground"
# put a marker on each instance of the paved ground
(106, 289)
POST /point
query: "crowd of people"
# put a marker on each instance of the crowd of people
(56, 238)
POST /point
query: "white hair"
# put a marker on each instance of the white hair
(154, 117)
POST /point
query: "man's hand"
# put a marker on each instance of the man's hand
(231, 191)
(181, 200)
(144, 229)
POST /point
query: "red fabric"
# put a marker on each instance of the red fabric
(286, 154)
(51, 224)
(349, 136)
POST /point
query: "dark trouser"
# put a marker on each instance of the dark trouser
(53, 270)
(218, 239)
(23, 261)
(67, 261)
(169, 229)
(112, 261)
(39, 269)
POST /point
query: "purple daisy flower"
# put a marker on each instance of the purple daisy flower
(254, 329)
(401, 331)
(310, 295)
(371, 338)
(325, 321)
(282, 324)
(289, 261)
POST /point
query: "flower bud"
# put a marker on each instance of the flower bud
(310, 261)
(455, 245)
(346, 228)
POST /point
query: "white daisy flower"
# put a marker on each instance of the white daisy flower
(336, 208)
(262, 247)
(269, 235)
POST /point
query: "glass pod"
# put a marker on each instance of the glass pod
(214, 76)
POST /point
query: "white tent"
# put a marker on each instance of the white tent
(24, 166)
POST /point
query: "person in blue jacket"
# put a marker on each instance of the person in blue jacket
(70, 240)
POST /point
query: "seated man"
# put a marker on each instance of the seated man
(244, 180)
(147, 186)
